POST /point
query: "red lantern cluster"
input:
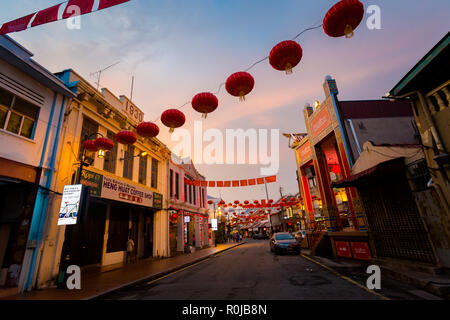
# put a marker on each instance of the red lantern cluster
(147, 130)
(173, 119)
(343, 18)
(205, 103)
(240, 84)
(104, 144)
(285, 56)
(90, 145)
(126, 137)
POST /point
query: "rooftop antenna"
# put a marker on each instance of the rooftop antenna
(99, 73)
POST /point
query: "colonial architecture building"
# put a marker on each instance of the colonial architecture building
(33, 103)
(128, 190)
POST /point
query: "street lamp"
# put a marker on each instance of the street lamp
(141, 154)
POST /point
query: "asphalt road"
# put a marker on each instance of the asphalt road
(252, 272)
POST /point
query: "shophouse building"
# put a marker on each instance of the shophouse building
(33, 103)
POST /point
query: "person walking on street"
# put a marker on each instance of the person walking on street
(130, 250)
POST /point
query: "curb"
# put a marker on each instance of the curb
(160, 274)
(441, 290)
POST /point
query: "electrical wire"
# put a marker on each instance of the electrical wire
(251, 67)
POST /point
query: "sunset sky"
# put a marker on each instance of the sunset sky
(177, 48)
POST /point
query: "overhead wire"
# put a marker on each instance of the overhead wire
(251, 66)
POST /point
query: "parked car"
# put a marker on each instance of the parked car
(284, 242)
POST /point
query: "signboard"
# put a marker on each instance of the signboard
(187, 219)
(118, 190)
(157, 200)
(343, 249)
(70, 205)
(304, 152)
(94, 181)
(321, 122)
(361, 250)
(214, 225)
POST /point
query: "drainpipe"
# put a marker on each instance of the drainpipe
(41, 207)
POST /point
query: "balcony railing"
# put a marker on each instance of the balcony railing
(439, 98)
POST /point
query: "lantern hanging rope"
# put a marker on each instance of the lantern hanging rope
(249, 68)
(343, 18)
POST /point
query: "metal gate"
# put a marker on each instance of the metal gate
(394, 221)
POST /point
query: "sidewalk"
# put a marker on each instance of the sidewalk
(438, 285)
(96, 284)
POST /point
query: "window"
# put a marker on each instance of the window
(194, 195)
(17, 115)
(185, 192)
(171, 183)
(190, 194)
(88, 131)
(143, 170)
(128, 162)
(203, 198)
(154, 173)
(111, 156)
(177, 186)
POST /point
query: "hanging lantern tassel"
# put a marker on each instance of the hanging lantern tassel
(348, 31)
(289, 68)
(172, 130)
(242, 96)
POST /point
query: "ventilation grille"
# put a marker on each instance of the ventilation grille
(19, 89)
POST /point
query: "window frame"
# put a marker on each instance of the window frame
(155, 172)
(10, 110)
(143, 166)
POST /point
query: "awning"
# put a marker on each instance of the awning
(381, 172)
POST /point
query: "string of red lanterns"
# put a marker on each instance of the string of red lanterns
(341, 20)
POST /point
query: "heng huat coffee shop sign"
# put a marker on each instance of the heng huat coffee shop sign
(118, 190)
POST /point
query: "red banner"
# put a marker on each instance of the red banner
(51, 14)
(343, 249)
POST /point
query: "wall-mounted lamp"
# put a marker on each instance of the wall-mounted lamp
(141, 154)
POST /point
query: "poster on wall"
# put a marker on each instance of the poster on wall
(70, 205)
(214, 225)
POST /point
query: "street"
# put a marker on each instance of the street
(252, 272)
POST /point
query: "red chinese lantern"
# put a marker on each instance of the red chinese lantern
(246, 202)
(147, 130)
(285, 56)
(173, 119)
(205, 103)
(293, 199)
(126, 137)
(210, 202)
(104, 144)
(343, 18)
(240, 84)
(256, 202)
(90, 145)
(236, 202)
(284, 200)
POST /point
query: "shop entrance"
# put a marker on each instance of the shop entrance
(148, 234)
(16, 211)
(87, 237)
